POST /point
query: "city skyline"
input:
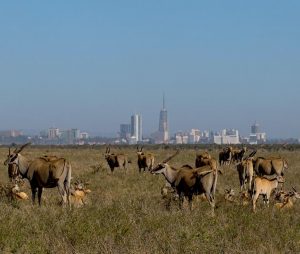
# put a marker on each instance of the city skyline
(89, 65)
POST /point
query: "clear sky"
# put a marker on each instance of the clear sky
(91, 64)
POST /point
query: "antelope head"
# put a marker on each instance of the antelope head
(140, 152)
(161, 167)
(13, 157)
(107, 152)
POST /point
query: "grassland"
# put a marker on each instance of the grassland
(125, 212)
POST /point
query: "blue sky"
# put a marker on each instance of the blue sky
(91, 64)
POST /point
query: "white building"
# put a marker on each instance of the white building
(227, 137)
(181, 138)
(257, 137)
(136, 127)
(194, 136)
(84, 135)
(53, 133)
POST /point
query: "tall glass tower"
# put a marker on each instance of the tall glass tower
(163, 122)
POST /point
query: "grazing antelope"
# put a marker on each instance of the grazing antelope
(225, 156)
(145, 161)
(43, 173)
(263, 186)
(189, 182)
(289, 200)
(115, 160)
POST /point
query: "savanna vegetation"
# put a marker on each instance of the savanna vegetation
(126, 214)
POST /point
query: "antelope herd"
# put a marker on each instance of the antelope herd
(258, 176)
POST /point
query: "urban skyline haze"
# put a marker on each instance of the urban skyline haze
(221, 64)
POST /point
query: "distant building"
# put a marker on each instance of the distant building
(125, 131)
(10, 133)
(70, 136)
(84, 135)
(162, 135)
(53, 133)
(181, 138)
(194, 136)
(255, 128)
(227, 137)
(136, 127)
(257, 137)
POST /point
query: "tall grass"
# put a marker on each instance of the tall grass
(125, 213)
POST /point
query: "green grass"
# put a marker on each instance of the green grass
(125, 213)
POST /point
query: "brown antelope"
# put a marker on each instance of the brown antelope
(263, 186)
(189, 182)
(204, 159)
(201, 159)
(13, 192)
(270, 166)
(115, 160)
(43, 173)
(145, 161)
(78, 194)
(289, 200)
(238, 154)
(229, 195)
(18, 194)
(245, 171)
(225, 156)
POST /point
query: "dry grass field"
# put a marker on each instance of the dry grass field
(126, 214)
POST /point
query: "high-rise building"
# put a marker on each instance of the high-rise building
(255, 128)
(125, 131)
(162, 135)
(257, 137)
(163, 123)
(53, 133)
(70, 136)
(227, 137)
(136, 127)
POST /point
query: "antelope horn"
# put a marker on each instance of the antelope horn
(294, 189)
(142, 148)
(251, 155)
(172, 156)
(18, 150)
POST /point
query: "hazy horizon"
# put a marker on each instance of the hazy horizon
(91, 65)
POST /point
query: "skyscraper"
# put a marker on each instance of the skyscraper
(163, 122)
(136, 127)
(125, 131)
(255, 128)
